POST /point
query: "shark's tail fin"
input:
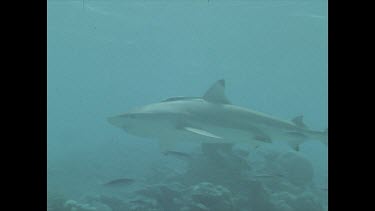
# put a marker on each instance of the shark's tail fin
(323, 137)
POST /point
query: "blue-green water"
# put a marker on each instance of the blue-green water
(106, 57)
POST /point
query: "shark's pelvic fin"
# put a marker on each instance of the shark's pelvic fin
(201, 132)
(299, 121)
(216, 93)
(294, 145)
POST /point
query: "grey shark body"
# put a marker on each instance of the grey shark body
(211, 119)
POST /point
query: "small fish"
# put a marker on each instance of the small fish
(177, 154)
(121, 181)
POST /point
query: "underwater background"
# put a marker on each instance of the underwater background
(107, 57)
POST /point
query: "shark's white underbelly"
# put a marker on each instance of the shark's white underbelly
(225, 134)
(167, 130)
(259, 134)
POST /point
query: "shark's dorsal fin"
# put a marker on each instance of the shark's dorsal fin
(215, 93)
(299, 121)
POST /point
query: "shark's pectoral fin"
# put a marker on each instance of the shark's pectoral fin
(202, 132)
(166, 145)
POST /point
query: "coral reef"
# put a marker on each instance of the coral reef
(71, 205)
(219, 179)
(55, 201)
(58, 202)
(210, 197)
(297, 169)
(75, 206)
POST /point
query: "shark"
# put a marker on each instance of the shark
(212, 118)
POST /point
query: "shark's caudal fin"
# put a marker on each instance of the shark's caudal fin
(215, 93)
(324, 140)
(322, 136)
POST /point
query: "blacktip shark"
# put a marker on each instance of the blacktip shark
(212, 119)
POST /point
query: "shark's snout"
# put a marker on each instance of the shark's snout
(115, 121)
